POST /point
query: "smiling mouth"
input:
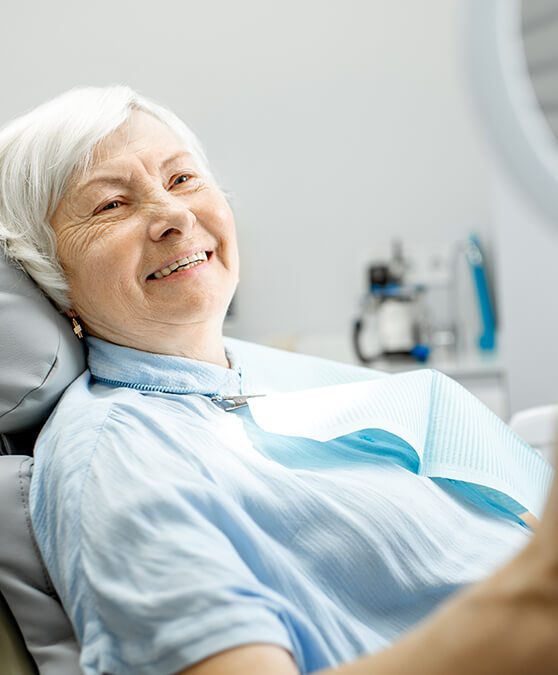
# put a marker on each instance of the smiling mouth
(182, 264)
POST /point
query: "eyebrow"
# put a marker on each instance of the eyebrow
(173, 158)
(111, 179)
(108, 180)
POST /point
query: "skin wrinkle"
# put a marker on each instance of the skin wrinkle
(83, 185)
(108, 254)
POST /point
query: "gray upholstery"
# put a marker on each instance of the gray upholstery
(39, 358)
(24, 581)
(39, 354)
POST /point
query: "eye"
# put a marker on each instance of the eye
(111, 205)
(183, 178)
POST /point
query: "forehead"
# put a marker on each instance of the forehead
(141, 135)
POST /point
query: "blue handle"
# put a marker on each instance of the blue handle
(487, 339)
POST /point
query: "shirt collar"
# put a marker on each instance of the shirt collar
(133, 368)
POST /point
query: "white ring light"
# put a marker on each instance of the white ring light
(506, 81)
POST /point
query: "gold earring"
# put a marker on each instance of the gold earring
(77, 329)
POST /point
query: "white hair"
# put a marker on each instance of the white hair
(42, 151)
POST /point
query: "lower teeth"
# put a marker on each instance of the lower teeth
(188, 266)
(160, 275)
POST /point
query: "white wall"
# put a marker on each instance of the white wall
(527, 244)
(335, 125)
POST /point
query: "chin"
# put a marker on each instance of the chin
(192, 316)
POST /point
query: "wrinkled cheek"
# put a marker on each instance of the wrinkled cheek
(95, 289)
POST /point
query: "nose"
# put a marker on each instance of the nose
(169, 216)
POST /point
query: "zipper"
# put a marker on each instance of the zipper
(145, 387)
(237, 401)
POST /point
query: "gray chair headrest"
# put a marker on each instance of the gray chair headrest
(39, 354)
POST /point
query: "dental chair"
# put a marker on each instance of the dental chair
(39, 358)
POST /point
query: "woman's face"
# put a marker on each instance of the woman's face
(142, 208)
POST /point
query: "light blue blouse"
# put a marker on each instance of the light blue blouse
(174, 530)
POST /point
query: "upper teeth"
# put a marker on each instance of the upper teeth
(190, 261)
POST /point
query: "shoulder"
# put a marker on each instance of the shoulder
(74, 427)
(89, 407)
(109, 431)
(101, 444)
(88, 418)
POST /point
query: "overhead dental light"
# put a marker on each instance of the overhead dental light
(512, 58)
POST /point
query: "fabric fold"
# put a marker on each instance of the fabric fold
(454, 435)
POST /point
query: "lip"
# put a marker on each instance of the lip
(178, 257)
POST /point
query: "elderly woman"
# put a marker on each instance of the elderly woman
(186, 539)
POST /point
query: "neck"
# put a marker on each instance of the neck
(201, 342)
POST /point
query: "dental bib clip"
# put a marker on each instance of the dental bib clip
(237, 401)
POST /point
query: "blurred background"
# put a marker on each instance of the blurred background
(376, 222)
